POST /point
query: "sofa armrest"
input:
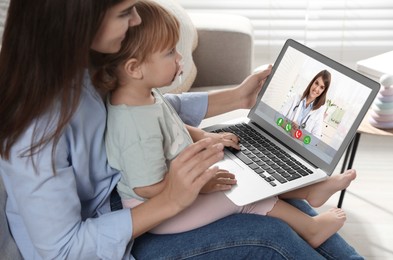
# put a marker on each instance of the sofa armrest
(225, 49)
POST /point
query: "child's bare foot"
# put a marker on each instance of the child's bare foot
(319, 193)
(326, 224)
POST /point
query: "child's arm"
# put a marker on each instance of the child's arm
(150, 191)
(195, 133)
(227, 139)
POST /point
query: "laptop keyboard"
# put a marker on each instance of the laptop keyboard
(268, 160)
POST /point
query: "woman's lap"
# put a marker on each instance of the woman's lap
(241, 236)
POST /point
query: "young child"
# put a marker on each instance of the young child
(144, 134)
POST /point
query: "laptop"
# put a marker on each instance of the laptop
(282, 150)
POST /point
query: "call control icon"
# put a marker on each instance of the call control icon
(298, 134)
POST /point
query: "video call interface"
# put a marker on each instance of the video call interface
(321, 130)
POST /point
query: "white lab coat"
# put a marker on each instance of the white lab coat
(314, 124)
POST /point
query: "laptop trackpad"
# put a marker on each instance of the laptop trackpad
(250, 186)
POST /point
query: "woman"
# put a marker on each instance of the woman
(53, 160)
(306, 111)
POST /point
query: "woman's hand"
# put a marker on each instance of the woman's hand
(221, 181)
(248, 90)
(191, 170)
(188, 173)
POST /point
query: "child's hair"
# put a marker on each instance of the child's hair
(159, 30)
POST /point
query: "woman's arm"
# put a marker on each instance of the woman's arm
(60, 226)
(193, 107)
(188, 173)
(52, 214)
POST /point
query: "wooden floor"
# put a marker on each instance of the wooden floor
(368, 202)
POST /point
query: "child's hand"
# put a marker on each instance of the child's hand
(222, 180)
(227, 139)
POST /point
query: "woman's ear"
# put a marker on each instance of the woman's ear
(133, 68)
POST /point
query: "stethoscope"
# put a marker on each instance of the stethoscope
(304, 122)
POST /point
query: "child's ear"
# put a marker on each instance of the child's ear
(132, 68)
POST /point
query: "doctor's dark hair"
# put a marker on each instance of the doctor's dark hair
(321, 99)
(43, 58)
(158, 31)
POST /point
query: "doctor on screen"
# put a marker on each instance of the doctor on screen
(306, 111)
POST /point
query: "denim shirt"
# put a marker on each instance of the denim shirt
(67, 214)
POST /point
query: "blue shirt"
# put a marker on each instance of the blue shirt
(67, 214)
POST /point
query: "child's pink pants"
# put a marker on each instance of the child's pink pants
(206, 209)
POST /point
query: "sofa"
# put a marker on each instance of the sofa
(220, 55)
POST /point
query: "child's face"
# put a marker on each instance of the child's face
(114, 26)
(162, 67)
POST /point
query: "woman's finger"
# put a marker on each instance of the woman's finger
(194, 148)
(199, 152)
(197, 158)
(263, 74)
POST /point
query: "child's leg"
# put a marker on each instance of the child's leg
(317, 194)
(206, 209)
(314, 230)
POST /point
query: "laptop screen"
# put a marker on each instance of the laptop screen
(312, 104)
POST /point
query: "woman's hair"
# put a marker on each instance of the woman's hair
(321, 99)
(44, 54)
(159, 30)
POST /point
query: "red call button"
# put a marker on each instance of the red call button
(298, 134)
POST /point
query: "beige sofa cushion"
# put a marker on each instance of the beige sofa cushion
(225, 48)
